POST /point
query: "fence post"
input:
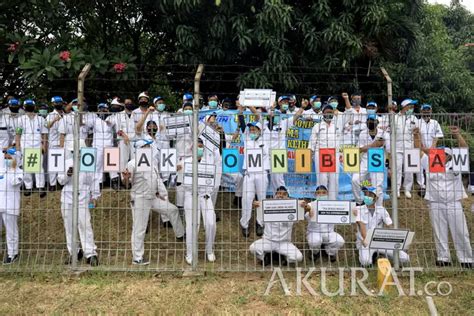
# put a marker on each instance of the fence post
(393, 163)
(77, 157)
(195, 133)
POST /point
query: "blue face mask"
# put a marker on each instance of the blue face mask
(322, 198)
(409, 112)
(370, 111)
(188, 112)
(200, 152)
(368, 200)
(253, 136)
(75, 108)
(161, 107)
(43, 113)
(212, 104)
(316, 105)
(284, 107)
(334, 104)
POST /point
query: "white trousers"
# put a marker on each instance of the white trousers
(450, 216)
(11, 231)
(408, 177)
(331, 240)
(254, 183)
(99, 171)
(206, 210)
(329, 180)
(365, 254)
(262, 246)
(86, 234)
(376, 179)
(39, 178)
(125, 154)
(276, 180)
(140, 215)
(239, 181)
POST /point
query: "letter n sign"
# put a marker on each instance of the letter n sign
(279, 161)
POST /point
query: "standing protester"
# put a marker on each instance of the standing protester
(276, 238)
(212, 103)
(89, 192)
(11, 179)
(31, 132)
(444, 193)
(52, 124)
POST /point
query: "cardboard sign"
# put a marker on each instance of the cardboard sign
(412, 160)
(303, 161)
(112, 159)
(211, 138)
(461, 160)
(280, 210)
(376, 160)
(390, 239)
(178, 125)
(206, 175)
(351, 160)
(88, 159)
(334, 212)
(327, 160)
(32, 160)
(168, 160)
(279, 161)
(437, 160)
(254, 160)
(257, 97)
(143, 160)
(56, 158)
(230, 160)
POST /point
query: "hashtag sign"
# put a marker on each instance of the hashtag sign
(32, 160)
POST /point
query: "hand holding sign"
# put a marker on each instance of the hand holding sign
(70, 171)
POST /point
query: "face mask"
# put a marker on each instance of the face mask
(200, 152)
(370, 111)
(334, 104)
(368, 200)
(103, 116)
(371, 125)
(356, 102)
(75, 108)
(8, 163)
(29, 108)
(328, 117)
(316, 105)
(188, 112)
(43, 113)
(426, 116)
(285, 107)
(143, 103)
(212, 104)
(161, 107)
(253, 136)
(276, 119)
(130, 106)
(322, 198)
(14, 109)
(409, 112)
(152, 131)
(58, 107)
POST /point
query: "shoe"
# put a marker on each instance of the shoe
(315, 255)
(167, 224)
(467, 265)
(181, 238)
(279, 259)
(422, 192)
(80, 255)
(93, 261)
(408, 194)
(141, 262)
(218, 218)
(52, 188)
(332, 258)
(237, 201)
(189, 260)
(267, 259)
(43, 193)
(115, 183)
(10, 260)
(245, 232)
(211, 257)
(258, 229)
(398, 194)
(27, 192)
(440, 263)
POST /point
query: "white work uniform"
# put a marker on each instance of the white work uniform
(352, 129)
(312, 115)
(374, 219)
(123, 122)
(10, 185)
(327, 135)
(319, 235)
(277, 238)
(88, 190)
(404, 126)
(444, 193)
(145, 186)
(31, 137)
(205, 209)
(6, 132)
(103, 137)
(376, 178)
(53, 140)
(66, 128)
(429, 131)
(254, 182)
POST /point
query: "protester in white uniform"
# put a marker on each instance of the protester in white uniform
(32, 133)
(11, 179)
(148, 192)
(444, 193)
(212, 103)
(321, 235)
(52, 124)
(276, 238)
(372, 216)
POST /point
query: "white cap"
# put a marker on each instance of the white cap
(115, 102)
(143, 95)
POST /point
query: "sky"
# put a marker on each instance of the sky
(469, 4)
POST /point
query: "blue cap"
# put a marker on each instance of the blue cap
(102, 105)
(13, 102)
(313, 98)
(321, 187)
(332, 97)
(75, 101)
(11, 151)
(370, 189)
(157, 98)
(426, 106)
(283, 97)
(29, 102)
(326, 106)
(139, 143)
(56, 99)
(187, 103)
(187, 96)
(372, 103)
(407, 102)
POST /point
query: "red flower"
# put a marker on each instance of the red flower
(13, 47)
(65, 55)
(120, 67)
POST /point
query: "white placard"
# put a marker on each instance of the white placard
(254, 160)
(56, 158)
(210, 137)
(257, 97)
(206, 175)
(412, 160)
(280, 210)
(461, 160)
(168, 160)
(143, 160)
(178, 125)
(333, 212)
(391, 239)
